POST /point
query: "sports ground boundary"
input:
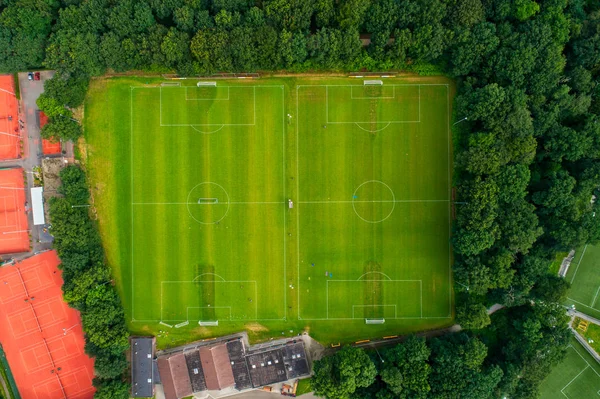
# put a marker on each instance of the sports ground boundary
(140, 202)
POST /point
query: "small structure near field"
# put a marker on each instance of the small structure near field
(142, 367)
(290, 204)
(228, 364)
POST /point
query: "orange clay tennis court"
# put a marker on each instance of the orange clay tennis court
(14, 234)
(10, 137)
(41, 335)
(48, 147)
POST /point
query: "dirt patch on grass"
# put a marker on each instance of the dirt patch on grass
(255, 328)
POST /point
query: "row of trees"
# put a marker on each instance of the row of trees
(512, 355)
(526, 156)
(88, 286)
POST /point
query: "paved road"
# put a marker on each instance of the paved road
(32, 145)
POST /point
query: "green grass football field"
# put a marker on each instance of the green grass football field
(275, 205)
(584, 276)
(576, 377)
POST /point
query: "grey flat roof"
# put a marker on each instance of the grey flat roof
(192, 360)
(142, 367)
(295, 360)
(238, 364)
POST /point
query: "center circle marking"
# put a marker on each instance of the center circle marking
(354, 201)
(190, 202)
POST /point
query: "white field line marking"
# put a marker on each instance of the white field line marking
(205, 99)
(421, 299)
(419, 103)
(131, 172)
(368, 306)
(298, 197)
(372, 131)
(372, 201)
(198, 282)
(223, 203)
(576, 351)
(389, 278)
(352, 97)
(187, 312)
(595, 297)
(581, 303)
(389, 281)
(357, 122)
(326, 102)
(387, 85)
(449, 138)
(570, 382)
(578, 263)
(284, 210)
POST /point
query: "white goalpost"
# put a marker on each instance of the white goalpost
(175, 84)
(204, 201)
(207, 323)
(373, 82)
(206, 84)
(374, 321)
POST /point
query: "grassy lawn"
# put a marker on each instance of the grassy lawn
(578, 376)
(303, 387)
(6, 375)
(191, 187)
(592, 333)
(584, 276)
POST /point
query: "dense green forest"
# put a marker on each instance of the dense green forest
(527, 147)
(88, 286)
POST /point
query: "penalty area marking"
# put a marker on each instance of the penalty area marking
(255, 301)
(384, 281)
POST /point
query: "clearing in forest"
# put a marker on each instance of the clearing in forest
(292, 203)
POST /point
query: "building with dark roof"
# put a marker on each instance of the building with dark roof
(237, 358)
(277, 364)
(142, 367)
(228, 364)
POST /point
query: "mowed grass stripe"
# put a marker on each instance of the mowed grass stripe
(248, 244)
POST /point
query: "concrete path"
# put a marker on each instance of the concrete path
(32, 150)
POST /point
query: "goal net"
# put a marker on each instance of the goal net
(208, 200)
(185, 323)
(208, 323)
(176, 84)
(373, 82)
(374, 321)
(202, 84)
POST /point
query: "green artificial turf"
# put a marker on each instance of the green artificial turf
(191, 188)
(584, 276)
(577, 376)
